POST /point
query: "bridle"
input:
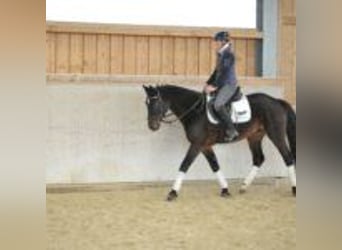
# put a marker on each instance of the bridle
(179, 118)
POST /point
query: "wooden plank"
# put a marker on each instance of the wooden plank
(129, 55)
(251, 58)
(287, 48)
(155, 52)
(142, 53)
(62, 53)
(167, 55)
(148, 30)
(76, 53)
(103, 54)
(50, 52)
(116, 55)
(288, 63)
(289, 20)
(204, 56)
(59, 79)
(192, 56)
(240, 50)
(89, 63)
(180, 56)
(213, 56)
(288, 7)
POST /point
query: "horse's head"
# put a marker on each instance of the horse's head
(156, 107)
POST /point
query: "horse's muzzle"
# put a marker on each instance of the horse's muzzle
(154, 125)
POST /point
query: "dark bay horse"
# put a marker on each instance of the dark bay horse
(272, 117)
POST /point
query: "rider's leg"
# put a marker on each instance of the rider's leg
(224, 95)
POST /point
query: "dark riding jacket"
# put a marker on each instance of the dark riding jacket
(224, 72)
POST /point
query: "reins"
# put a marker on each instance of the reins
(183, 115)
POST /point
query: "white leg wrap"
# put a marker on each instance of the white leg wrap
(222, 181)
(292, 175)
(178, 182)
(251, 176)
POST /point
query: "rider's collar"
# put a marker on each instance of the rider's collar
(224, 47)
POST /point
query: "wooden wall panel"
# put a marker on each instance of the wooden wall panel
(83, 49)
(240, 50)
(251, 58)
(167, 55)
(129, 55)
(142, 54)
(62, 53)
(76, 53)
(213, 56)
(116, 54)
(287, 48)
(103, 54)
(204, 56)
(90, 54)
(155, 55)
(180, 56)
(192, 56)
(50, 52)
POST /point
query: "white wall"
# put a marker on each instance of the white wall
(98, 133)
(221, 13)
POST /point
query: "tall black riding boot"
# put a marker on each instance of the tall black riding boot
(231, 132)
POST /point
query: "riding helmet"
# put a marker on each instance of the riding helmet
(222, 36)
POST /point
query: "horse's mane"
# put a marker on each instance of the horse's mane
(177, 90)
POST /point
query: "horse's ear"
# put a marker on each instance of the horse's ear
(146, 88)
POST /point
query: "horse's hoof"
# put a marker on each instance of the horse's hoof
(172, 196)
(225, 193)
(294, 191)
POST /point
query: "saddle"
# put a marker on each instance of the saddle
(239, 107)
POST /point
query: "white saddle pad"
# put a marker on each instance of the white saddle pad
(241, 111)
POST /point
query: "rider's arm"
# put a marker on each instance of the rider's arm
(212, 78)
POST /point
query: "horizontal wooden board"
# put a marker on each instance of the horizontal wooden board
(150, 30)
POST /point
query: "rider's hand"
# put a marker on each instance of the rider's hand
(209, 88)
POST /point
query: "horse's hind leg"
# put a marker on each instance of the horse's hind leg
(255, 145)
(277, 136)
(212, 160)
(191, 155)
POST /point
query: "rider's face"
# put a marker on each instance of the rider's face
(218, 45)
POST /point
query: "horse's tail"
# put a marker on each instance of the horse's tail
(290, 127)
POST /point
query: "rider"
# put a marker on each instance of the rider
(224, 80)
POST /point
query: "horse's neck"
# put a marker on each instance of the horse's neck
(180, 101)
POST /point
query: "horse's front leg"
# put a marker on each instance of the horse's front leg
(191, 155)
(211, 158)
